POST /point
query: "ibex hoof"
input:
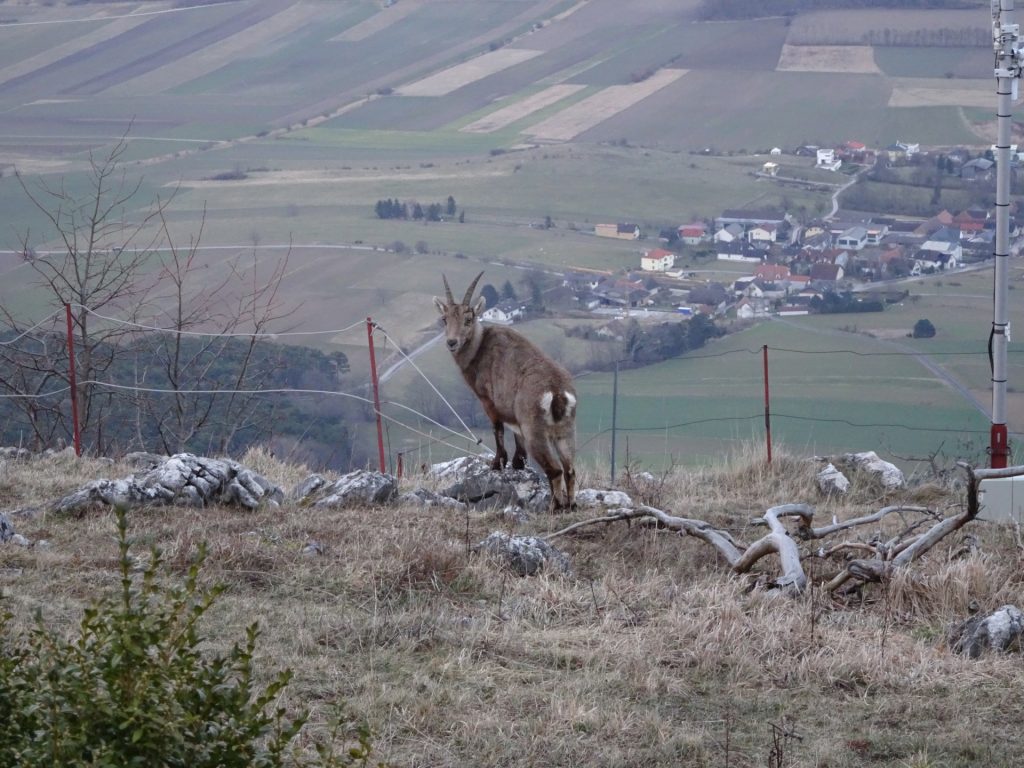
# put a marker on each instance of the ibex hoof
(518, 463)
(497, 463)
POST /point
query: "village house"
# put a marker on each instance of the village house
(970, 222)
(762, 233)
(770, 169)
(927, 262)
(657, 260)
(747, 218)
(902, 150)
(623, 293)
(826, 276)
(772, 273)
(693, 234)
(854, 238)
(729, 234)
(504, 313)
(827, 160)
(978, 169)
(740, 250)
(752, 308)
(618, 231)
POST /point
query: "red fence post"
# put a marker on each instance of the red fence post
(376, 393)
(767, 408)
(74, 384)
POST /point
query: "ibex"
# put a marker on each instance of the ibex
(518, 385)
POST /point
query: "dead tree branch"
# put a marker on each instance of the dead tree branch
(895, 552)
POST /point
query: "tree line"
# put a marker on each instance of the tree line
(395, 209)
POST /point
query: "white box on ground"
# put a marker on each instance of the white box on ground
(1002, 499)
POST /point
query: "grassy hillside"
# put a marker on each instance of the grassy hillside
(651, 654)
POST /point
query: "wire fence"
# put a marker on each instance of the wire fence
(420, 433)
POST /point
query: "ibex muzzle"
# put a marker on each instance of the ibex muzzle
(518, 385)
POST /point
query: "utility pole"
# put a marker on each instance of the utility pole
(1006, 45)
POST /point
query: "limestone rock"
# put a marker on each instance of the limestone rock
(183, 479)
(592, 497)
(998, 631)
(484, 490)
(832, 482)
(525, 555)
(308, 487)
(358, 488)
(460, 468)
(424, 497)
(888, 474)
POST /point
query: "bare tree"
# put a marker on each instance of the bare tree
(100, 267)
(206, 323)
(195, 380)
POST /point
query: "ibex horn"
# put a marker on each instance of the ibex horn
(472, 287)
(448, 291)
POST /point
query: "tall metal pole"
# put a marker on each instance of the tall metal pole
(615, 408)
(376, 394)
(1005, 42)
(767, 407)
(76, 435)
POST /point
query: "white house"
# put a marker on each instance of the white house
(505, 313)
(762, 233)
(827, 159)
(854, 238)
(952, 254)
(728, 234)
(657, 260)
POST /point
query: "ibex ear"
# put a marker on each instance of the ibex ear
(481, 303)
(441, 306)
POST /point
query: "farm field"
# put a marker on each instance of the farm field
(226, 72)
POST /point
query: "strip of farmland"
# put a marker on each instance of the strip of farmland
(71, 47)
(524, 108)
(940, 92)
(584, 115)
(453, 78)
(380, 21)
(846, 59)
(248, 42)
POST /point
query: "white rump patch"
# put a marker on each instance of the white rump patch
(571, 399)
(545, 401)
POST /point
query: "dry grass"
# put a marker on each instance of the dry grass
(652, 654)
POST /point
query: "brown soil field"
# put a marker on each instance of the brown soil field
(453, 78)
(848, 59)
(256, 39)
(508, 115)
(582, 116)
(839, 27)
(941, 92)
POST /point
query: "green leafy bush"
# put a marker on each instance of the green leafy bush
(132, 688)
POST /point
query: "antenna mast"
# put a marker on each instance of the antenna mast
(1007, 48)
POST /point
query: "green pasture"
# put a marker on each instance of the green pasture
(898, 61)
(578, 186)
